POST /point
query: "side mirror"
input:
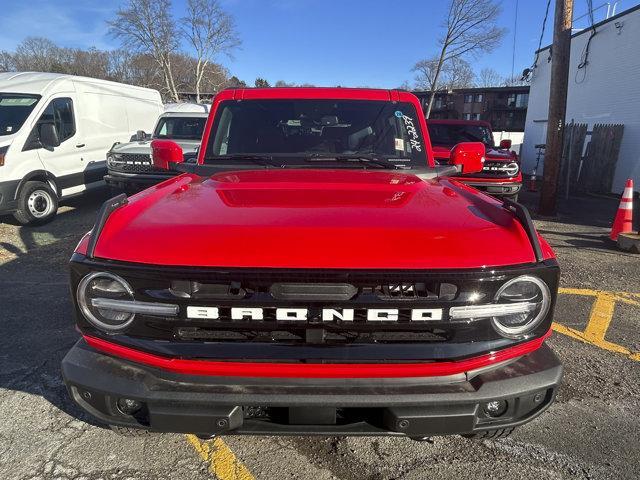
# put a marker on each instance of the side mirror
(505, 144)
(165, 154)
(48, 135)
(468, 157)
(141, 136)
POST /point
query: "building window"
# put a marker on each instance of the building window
(439, 103)
(479, 98)
(476, 116)
(468, 98)
(518, 100)
(510, 119)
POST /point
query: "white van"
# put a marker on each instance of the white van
(54, 132)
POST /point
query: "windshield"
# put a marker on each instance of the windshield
(294, 131)
(180, 128)
(450, 134)
(14, 110)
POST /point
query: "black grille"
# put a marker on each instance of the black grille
(313, 337)
(303, 336)
(133, 163)
(495, 169)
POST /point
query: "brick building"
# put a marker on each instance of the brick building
(504, 107)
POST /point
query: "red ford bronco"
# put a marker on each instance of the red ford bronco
(500, 176)
(315, 272)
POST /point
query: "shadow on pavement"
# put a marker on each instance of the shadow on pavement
(35, 309)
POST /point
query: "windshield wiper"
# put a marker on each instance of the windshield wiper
(264, 160)
(351, 158)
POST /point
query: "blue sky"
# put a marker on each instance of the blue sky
(332, 42)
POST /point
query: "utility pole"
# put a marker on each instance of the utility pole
(557, 105)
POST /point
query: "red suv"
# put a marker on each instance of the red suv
(315, 272)
(501, 174)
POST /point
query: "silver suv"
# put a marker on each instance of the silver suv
(129, 164)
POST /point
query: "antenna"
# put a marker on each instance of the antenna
(515, 31)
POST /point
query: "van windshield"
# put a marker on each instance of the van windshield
(14, 110)
(180, 128)
(318, 133)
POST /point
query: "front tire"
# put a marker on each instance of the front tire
(37, 204)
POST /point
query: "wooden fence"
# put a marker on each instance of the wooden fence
(592, 172)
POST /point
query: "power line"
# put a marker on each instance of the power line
(584, 58)
(544, 23)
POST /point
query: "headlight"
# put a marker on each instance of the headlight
(105, 286)
(113, 158)
(528, 294)
(512, 169)
(519, 307)
(107, 302)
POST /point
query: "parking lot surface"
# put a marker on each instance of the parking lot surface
(591, 432)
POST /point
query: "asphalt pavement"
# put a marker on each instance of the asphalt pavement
(591, 432)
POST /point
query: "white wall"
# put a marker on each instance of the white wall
(608, 91)
(515, 137)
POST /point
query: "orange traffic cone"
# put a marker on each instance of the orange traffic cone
(624, 217)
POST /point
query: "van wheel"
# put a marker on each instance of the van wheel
(37, 204)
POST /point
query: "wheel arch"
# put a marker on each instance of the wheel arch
(41, 176)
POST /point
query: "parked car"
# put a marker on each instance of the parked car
(501, 175)
(54, 132)
(129, 164)
(315, 272)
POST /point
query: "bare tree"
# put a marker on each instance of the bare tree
(488, 77)
(235, 82)
(38, 54)
(425, 73)
(515, 81)
(458, 74)
(184, 71)
(211, 32)
(89, 63)
(7, 62)
(469, 29)
(146, 26)
(282, 83)
(455, 73)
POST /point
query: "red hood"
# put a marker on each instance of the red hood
(314, 219)
(494, 154)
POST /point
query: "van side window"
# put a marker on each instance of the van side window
(60, 113)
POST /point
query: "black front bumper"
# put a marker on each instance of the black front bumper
(497, 188)
(135, 180)
(415, 407)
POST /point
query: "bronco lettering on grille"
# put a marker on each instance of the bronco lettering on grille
(324, 314)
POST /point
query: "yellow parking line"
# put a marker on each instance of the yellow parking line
(221, 460)
(600, 319)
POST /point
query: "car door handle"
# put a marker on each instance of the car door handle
(80, 145)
